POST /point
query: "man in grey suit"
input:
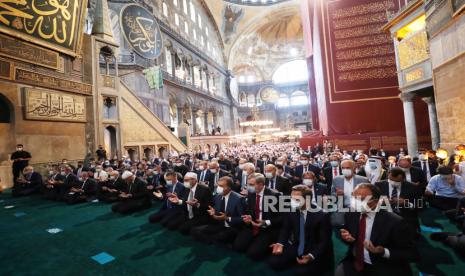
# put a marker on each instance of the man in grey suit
(343, 186)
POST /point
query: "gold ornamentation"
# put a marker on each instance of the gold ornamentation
(414, 75)
(32, 78)
(54, 106)
(56, 24)
(413, 50)
(13, 48)
(6, 70)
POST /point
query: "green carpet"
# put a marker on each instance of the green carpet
(141, 248)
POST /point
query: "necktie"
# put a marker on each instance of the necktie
(301, 247)
(425, 168)
(394, 193)
(272, 184)
(359, 258)
(223, 205)
(335, 171)
(257, 214)
(189, 207)
(305, 169)
(202, 177)
(216, 179)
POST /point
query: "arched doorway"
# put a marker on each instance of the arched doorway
(7, 128)
(111, 144)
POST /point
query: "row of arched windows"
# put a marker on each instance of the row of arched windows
(297, 98)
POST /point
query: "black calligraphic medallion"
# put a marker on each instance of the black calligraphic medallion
(141, 31)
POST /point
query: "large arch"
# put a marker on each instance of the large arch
(7, 127)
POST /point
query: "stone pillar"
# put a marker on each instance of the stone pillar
(194, 121)
(173, 63)
(205, 121)
(433, 122)
(215, 119)
(410, 124)
(180, 114)
(193, 74)
(208, 80)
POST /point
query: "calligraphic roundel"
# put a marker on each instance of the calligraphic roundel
(141, 31)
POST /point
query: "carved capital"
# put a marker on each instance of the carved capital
(428, 100)
(406, 97)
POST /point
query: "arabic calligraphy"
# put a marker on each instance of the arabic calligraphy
(54, 106)
(141, 31)
(53, 21)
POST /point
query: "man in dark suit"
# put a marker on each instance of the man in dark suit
(305, 166)
(380, 243)
(70, 180)
(261, 224)
(318, 189)
(413, 174)
(331, 171)
(29, 184)
(194, 202)
(203, 174)
(403, 196)
(310, 250)
(261, 163)
(226, 213)
(84, 191)
(50, 187)
(20, 160)
(173, 187)
(133, 196)
(215, 174)
(109, 191)
(276, 182)
(225, 163)
(428, 166)
(180, 167)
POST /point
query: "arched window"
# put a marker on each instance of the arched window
(192, 11)
(176, 19)
(186, 27)
(299, 98)
(165, 9)
(184, 6)
(175, 2)
(169, 61)
(293, 71)
(283, 100)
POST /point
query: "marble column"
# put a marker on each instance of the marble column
(410, 124)
(208, 80)
(180, 114)
(215, 119)
(205, 121)
(194, 121)
(173, 64)
(433, 122)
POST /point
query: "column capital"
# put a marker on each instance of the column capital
(428, 100)
(407, 97)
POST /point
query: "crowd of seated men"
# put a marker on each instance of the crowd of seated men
(223, 197)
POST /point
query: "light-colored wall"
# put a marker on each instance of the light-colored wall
(448, 58)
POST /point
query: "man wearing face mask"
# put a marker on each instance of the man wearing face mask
(332, 171)
(226, 214)
(318, 190)
(83, 191)
(133, 196)
(305, 166)
(260, 224)
(403, 196)
(445, 189)
(215, 174)
(261, 163)
(55, 178)
(173, 187)
(109, 190)
(344, 184)
(70, 180)
(380, 243)
(100, 175)
(276, 182)
(20, 160)
(203, 174)
(194, 202)
(305, 237)
(413, 174)
(29, 184)
(241, 180)
(428, 167)
(180, 167)
(225, 163)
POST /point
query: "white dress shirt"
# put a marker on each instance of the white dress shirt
(348, 188)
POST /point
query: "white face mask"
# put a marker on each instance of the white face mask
(219, 190)
(241, 166)
(347, 172)
(304, 162)
(201, 168)
(308, 182)
(268, 175)
(406, 169)
(279, 163)
(251, 189)
(187, 185)
(334, 164)
(295, 204)
(245, 173)
(213, 170)
(112, 177)
(394, 184)
(359, 205)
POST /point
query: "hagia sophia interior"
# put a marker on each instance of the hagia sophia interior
(152, 81)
